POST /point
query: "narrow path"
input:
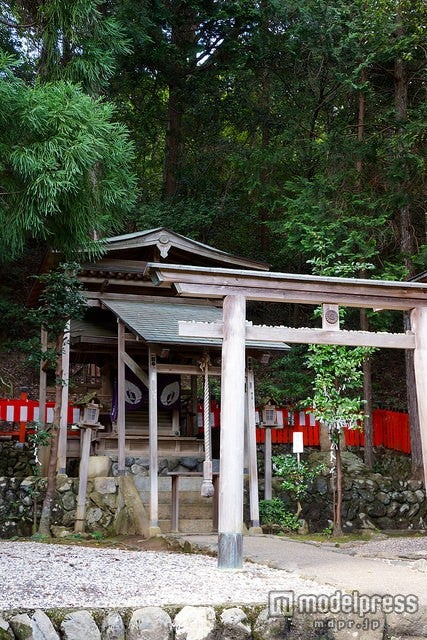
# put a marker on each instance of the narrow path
(344, 568)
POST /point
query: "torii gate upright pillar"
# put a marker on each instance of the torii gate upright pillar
(419, 327)
(230, 524)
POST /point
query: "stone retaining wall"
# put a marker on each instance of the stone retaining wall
(200, 623)
(370, 500)
(16, 459)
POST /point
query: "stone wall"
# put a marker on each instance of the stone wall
(16, 459)
(370, 500)
(200, 623)
(21, 497)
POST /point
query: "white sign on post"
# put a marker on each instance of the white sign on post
(297, 442)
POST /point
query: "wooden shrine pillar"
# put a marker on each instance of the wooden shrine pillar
(252, 451)
(419, 327)
(154, 528)
(121, 409)
(63, 417)
(230, 529)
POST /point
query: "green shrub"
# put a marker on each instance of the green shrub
(275, 517)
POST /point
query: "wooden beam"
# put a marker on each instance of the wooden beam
(320, 336)
(135, 368)
(186, 369)
(122, 282)
(285, 287)
(86, 436)
(296, 297)
(419, 326)
(230, 529)
(330, 317)
(304, 335)
(43, 452)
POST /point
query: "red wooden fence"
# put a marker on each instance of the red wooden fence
(391, 428)
(15, 416)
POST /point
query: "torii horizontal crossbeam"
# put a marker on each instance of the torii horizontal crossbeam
(304, 335)
(293, 288)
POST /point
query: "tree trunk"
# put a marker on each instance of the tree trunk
(183, 30)
(367, 397)
(407, 248)
(46, 513)
(364, 321)
(338, 494)
(173, 141)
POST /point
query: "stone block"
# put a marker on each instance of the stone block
(113, 627)
(6, 632)
(105, 485)
(235, 624)
(43, 628)
(22, 627)
(408, 623)
(270, 628)
(78, 625)
(195, 623)
(150, 623)
(99, 466)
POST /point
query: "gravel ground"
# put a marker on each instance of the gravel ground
(38, 575)
(393, 547)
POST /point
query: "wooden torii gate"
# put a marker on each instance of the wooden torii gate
(237, 286)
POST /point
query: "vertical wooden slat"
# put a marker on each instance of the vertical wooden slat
(252, 450)
(121, 426)
(153, 445)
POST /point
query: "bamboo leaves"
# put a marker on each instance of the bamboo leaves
(56, 141)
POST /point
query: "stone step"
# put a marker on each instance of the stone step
(193, 512)
(185, 497)
(188, 525)
(142, 483)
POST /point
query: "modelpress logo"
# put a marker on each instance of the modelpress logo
(286, 603)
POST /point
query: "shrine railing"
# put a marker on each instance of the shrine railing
(17, 416)
(390, 428)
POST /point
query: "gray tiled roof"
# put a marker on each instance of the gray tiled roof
(157, 322)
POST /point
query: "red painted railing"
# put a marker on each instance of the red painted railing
(16, 415)
(391, 428)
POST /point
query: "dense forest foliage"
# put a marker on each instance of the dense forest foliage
(287, 131)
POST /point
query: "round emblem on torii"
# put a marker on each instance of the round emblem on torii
(331, 316)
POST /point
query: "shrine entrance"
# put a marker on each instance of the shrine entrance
(235, 287)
